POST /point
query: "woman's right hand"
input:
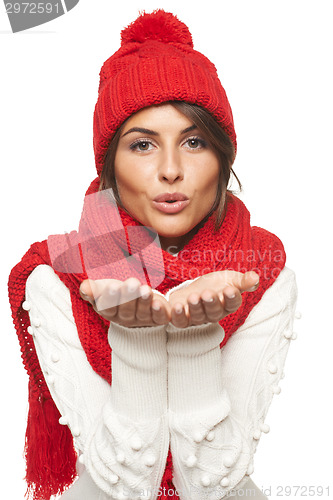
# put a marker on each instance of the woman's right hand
(211, 297)
(127, 303)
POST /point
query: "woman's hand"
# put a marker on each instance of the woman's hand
(126, 302)
(208, 299)
(211, 297)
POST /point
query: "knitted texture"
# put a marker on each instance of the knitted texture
(236, 246)
(155, 63)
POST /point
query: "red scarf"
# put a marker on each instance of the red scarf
(50, 455)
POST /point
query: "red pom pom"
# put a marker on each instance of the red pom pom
(159, 25)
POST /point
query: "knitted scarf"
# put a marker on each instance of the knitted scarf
(49, 450)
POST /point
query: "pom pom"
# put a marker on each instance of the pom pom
(159, 25)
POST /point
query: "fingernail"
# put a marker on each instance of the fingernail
(253, 288)
(145, 293)
(178, 309)
(156, 306)
(210, 299)
(230, 295)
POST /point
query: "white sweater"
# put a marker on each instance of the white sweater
(169, 386)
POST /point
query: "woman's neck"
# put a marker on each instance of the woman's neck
(174, 245)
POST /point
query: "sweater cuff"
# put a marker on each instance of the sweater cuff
(193, 340)
(194, 368)
(143, 348)
(139, 371)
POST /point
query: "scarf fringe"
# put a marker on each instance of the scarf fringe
(49, 452)
(167, 488)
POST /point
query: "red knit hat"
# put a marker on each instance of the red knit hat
(155, 63)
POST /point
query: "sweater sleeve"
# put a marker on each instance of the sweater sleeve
(218, 398)
(121, 430)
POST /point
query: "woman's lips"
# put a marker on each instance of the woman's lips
(170, 208)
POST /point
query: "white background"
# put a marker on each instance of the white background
(275, 61)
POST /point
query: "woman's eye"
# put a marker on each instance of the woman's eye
(195, 143)
(141, 146)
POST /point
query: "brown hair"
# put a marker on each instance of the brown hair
(216, 136)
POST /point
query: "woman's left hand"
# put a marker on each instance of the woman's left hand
(211, 297)
(126, 302)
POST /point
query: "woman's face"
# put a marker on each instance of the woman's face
(161, 151)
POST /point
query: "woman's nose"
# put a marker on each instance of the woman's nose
(170, 166)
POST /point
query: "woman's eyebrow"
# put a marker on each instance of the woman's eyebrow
(189, 129)
(152, 132)
(141, 130)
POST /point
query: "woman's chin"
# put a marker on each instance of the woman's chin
(172, 231)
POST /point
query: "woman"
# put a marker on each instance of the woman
(181, 413)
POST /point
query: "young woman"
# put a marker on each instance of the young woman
(160, 375)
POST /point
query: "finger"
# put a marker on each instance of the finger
(108, 303)
(159, 312)
(129, 293)
(106, 294)
(197, 315)
(108, 314)
(178, 316)
(143, 306)
(245, 282)
(232, 299)
(86, 291)
(95, 288)
(251, 279)
(212, 305)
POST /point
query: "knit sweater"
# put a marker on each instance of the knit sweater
(170, 387)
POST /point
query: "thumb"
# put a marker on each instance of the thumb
(244, 282)
(249, 282)
(86, 291)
